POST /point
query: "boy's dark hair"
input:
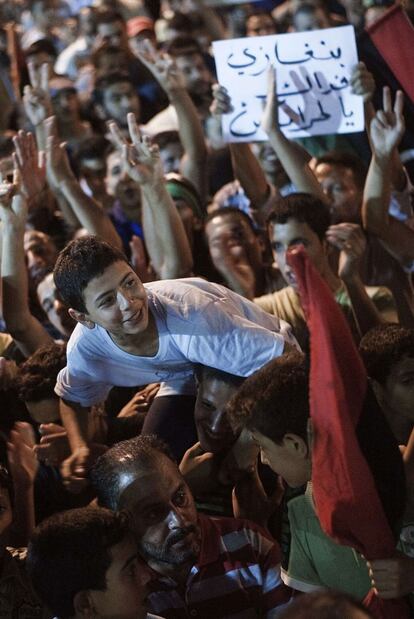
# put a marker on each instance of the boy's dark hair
(203, 372)
(323, 605)
(164, 138)
(36, 379)
(69, 553)
(115, 77)
(78, 263)
(304, 208)
(274, 400)
(107, 16)
(43, 46)
(95, 147)
(183, 46)
(346, 160)
(230, 210)
(140, 452)
(383, 347)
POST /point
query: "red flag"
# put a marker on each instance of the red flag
(393, 36)
(346, 498)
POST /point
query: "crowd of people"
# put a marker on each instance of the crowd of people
(205, 347)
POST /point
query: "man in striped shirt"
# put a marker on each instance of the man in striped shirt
(206, 567)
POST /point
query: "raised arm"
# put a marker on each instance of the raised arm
(386, 131)
(246, 167)
(166, 240)
(63, 182)
(36, 101)
(292, 156)
(26, 330)
(165, 71)
(350, 240)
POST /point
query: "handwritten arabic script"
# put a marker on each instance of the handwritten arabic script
(313, 73)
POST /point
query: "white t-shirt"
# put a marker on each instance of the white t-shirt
(197, 321)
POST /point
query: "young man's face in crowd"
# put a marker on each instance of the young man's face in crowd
(66, 105)
(118, 100)
(115, 300)
(126, 584)
(40, 250)
(339, 184)
(289, 235)
(231, 234)
(398, 390)
(53, 306)
(304, 21)
(260, 25)
(113, 33)
(197, 77)
(164, 517)
(213, 429)
(170, 156)
(289, 459)
(93, 172)
(122, 187)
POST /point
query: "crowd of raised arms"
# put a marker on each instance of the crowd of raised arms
(206, 347)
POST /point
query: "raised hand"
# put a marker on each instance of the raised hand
(57, 162)
(36, 98)
(350, 240)
(13, 204)
(221, 103)
(140, 159)
(270, 122)
(31, 165)
(162, 66)
(388, 126)
(21, 456)
(362, 82)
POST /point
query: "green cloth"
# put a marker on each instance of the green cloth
(316, 561)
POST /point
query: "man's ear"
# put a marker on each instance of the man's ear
(296, 444)
(81, 317)
(82, 603)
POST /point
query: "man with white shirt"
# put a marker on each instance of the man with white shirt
(129, 334)
(84, 563)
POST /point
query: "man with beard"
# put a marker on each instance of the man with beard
(206, 567)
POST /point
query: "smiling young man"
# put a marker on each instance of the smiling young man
(129, 333)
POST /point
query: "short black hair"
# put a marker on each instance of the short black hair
(383, 347)
(94, 147)
(43, 46)
(183, 46)
(205, 372)
(223, 211)
(130, 455)
(70, 552)
(323, 605)
(304, 208)
(78, 263)
(346, 160)
(107, 16)
(36, 378)
(163, 138)
(274, 400)
(107, 80)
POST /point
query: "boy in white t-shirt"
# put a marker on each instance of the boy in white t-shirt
(131, 334)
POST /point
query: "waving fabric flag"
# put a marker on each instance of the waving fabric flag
(346, 498)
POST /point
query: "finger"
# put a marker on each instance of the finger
(386, 100)
(399, 104)
(33, 75)
(44, 77)
(116, 134)
(50, 126)
(291, 114)
(133, 129)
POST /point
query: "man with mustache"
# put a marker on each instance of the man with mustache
(206, 567)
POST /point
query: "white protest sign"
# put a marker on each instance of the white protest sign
(313, 71)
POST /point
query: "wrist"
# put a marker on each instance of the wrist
(382, 160)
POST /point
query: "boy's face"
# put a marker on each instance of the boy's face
(122, 187)
(399, 388)
(231, 235)
(115, 300)
(289, 235)
(289, 459)
(197, 77)
(53, 306)
(118, 100)
(213, 429)
(163, 514)
(126, 578)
